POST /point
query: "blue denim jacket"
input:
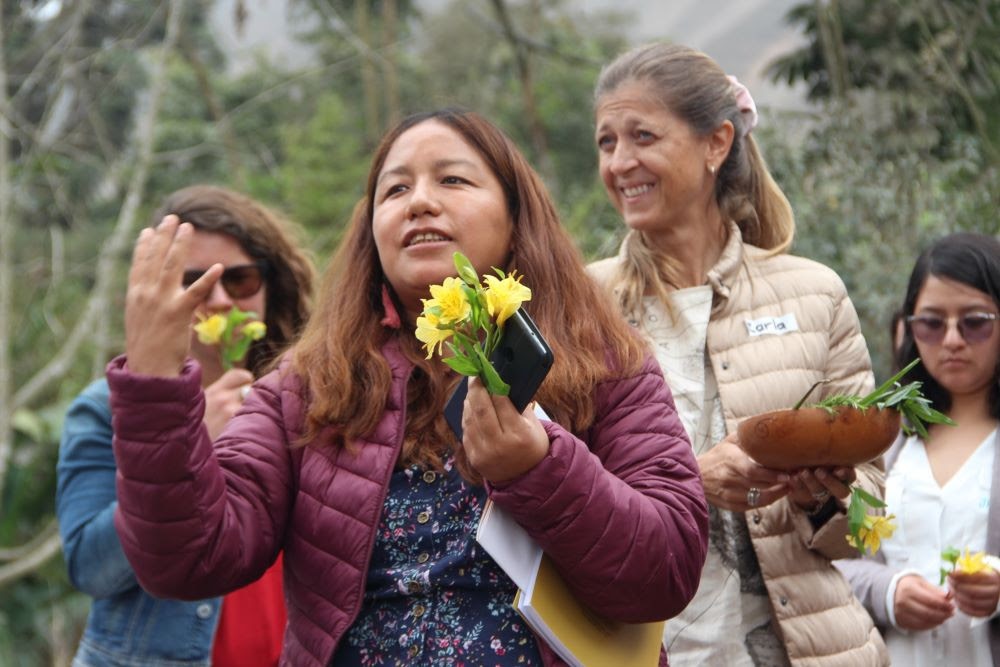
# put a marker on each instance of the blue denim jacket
(126, 626)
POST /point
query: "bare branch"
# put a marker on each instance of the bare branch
(6, 274)
(122, 234)
(30, 559)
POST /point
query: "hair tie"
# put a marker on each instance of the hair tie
(745, 104)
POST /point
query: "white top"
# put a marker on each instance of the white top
(729, 620)
(931, 518)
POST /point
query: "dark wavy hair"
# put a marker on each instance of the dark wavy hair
(968, 258)
(263, 235)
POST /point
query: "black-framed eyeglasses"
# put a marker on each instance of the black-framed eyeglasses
(973, 327)
(240, 282)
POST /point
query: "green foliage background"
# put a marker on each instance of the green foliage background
(899, 147)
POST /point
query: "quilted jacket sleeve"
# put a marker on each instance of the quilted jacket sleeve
(190, 527)
(869, 579)
(621, 512)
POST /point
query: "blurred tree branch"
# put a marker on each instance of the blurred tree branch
(111, 250)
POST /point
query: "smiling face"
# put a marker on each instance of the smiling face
(961, 368)
(435, 195)
(654, 167)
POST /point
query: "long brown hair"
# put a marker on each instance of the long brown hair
(692, 86)
(263, 235)
(340, 352)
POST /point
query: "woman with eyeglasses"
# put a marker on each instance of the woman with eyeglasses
(266, 273)
(943, 488)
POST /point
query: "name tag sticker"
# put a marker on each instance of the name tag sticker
(774, 326)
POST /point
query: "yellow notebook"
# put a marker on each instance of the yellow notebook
(576, 634)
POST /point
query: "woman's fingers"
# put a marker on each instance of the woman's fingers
(158, 310)
(976, 594)
(500, 442)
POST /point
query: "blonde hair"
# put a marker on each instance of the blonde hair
(691, 85)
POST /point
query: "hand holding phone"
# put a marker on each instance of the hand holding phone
(522, 359)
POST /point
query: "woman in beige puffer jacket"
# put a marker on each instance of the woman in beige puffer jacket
(739, 328)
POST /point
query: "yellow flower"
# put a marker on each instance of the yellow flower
(210, 329)
(874, 530)
(503, 297)
(429, 334)
(971, 564)
(254, 330)
(450, 298)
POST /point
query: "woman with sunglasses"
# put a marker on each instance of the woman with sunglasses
(264, 272)
(943, 488)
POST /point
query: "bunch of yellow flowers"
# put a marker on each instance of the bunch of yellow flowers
(866, 531)
(233, 332)
(873, 530)
(963, 562)
(467, 316)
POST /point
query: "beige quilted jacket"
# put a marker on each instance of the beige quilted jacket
(820, 621)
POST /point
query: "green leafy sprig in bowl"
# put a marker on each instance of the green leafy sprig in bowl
(908, 400)
(843, 431)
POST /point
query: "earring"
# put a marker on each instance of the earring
(711, 169)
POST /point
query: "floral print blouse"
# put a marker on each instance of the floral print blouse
(433, 596)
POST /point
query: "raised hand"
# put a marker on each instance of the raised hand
(734, 481)
(500, 442)
(158, 310)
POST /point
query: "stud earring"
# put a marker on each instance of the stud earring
(711, 169)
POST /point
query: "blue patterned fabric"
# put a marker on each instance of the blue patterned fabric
(433, 596)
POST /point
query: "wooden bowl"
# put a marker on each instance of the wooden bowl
(815, 437)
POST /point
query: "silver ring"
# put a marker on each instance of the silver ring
(821, 495)
(244, 392)
(753, 496)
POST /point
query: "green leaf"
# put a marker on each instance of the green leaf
(494, 384)
(462, 364)
(466, 271)
(866, 497)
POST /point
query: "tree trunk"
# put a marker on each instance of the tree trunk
(6, 274)
(536, 128)
(111, 250)
(390, 32)
(369, 76)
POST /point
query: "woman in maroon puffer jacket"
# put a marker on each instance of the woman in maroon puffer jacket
(341, 458)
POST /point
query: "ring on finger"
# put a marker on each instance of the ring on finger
(244, 392)
(753, 496)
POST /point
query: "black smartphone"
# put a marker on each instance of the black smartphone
(522, 359)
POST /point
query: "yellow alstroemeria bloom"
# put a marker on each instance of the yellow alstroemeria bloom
(210, 329)
(450, 298)
(504, 297)
(254, 330)
(971, 564)
(874, 530)
(430, 335)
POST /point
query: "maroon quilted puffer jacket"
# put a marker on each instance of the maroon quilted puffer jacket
(620, 508)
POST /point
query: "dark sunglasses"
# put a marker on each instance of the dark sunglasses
(973, 327)
(240, 282)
